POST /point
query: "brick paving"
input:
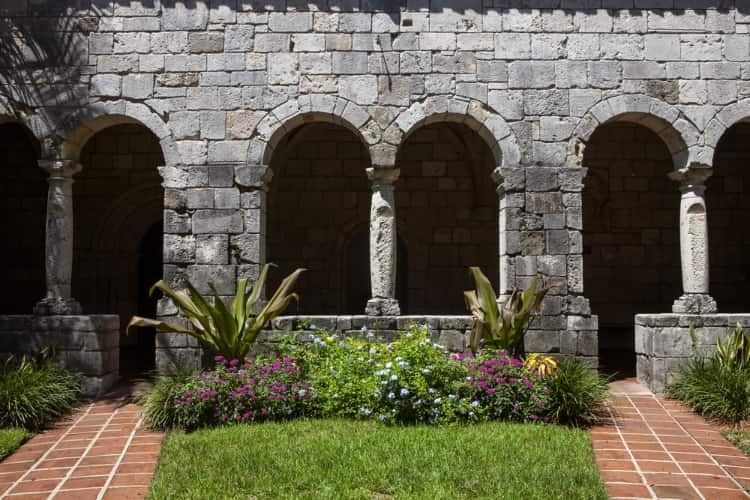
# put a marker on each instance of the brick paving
(654, 448)
(102, 451)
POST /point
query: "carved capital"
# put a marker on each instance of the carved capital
(257, 176)
(60, 169)
(692, 178)
(382, 177)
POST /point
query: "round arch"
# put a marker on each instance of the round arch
(313, 108)
(82, 124)
(722, 121)
(680, 136)
(491, 127)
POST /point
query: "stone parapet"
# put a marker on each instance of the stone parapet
(86, 344)
(663, 342)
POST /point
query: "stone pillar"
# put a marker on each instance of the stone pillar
(693, 241)
(505, 280)
(59, 239)
(383, 243)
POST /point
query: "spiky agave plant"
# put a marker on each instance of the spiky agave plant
(228, 331)
(500, 328)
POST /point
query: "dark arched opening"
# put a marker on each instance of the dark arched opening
(319, 189)
(728, 206)
(23, 195)
(447, 207)
(631, 251)
(118, 233)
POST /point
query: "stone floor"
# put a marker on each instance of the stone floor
(102, 451)
(654, 448)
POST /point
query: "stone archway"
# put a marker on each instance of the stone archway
(631, 246)
(118, 201)
(319, 189)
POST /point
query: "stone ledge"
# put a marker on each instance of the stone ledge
(663, 342)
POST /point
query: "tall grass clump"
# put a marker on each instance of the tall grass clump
(717, 386)
(577, 393)
(35, 392)
(156, 405)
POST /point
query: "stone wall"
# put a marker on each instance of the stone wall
(222, 85)
(663, 342)
(86, 344)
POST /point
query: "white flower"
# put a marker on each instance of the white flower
(475, 404)
(388, 364)
(404, 392)
(438, 401)
(373, 350)
(431, 390)
(302, 392)
(391, 395)
(394, 377)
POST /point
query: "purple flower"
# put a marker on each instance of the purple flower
(219, 358)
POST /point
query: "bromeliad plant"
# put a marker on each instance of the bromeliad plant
(226, 331)
(500, 328)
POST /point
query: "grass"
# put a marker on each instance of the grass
(341, 459)
(740, 437)
(10, 439)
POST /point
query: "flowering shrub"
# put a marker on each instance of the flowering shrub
(503, 388)
(259, 389)
(411, 380)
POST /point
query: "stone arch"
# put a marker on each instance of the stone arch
(490, 126)
(722, 121)
(309, 109)
(679, 134)
(81, 125)
(114, 231)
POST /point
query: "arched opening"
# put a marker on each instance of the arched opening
(118, 207)
(447, 206)
(728, 206)
(319, 200)
(631, 250)
(23, 195)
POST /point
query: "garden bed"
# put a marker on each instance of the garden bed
(364, 459)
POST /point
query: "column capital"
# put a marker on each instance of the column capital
(60, 169)
(692, 177)
(383, 176)
(257, 176)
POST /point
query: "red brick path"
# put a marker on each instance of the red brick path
(101, 451)
(654, 448)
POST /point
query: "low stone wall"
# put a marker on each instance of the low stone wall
(87, 344)
(663, 342)
(578, 339)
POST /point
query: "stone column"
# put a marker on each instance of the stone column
(505, 279)
(59, 239)
(693, 241)
(383, 243)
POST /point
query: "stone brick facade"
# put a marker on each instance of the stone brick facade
(228, 87)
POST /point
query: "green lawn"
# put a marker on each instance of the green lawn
(339, 459)
(10, 439)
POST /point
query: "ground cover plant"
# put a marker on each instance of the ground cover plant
(348, 459)
(10, 439)
(717, 385)
(34, 392)
(740, 436)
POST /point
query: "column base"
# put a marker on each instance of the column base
(694, 303)
(382, 307)
(57, 306)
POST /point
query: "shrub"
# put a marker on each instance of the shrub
(716, 386)
(35, 392)
(577, 393)
(503, 388)
(405, 381)
(10, 439)
(712, 389)
(256, 390)
(227, 331)
(157, 405)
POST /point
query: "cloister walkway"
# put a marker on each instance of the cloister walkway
(101, 451)
(655, 448)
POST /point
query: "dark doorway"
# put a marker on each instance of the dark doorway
(138, 358)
